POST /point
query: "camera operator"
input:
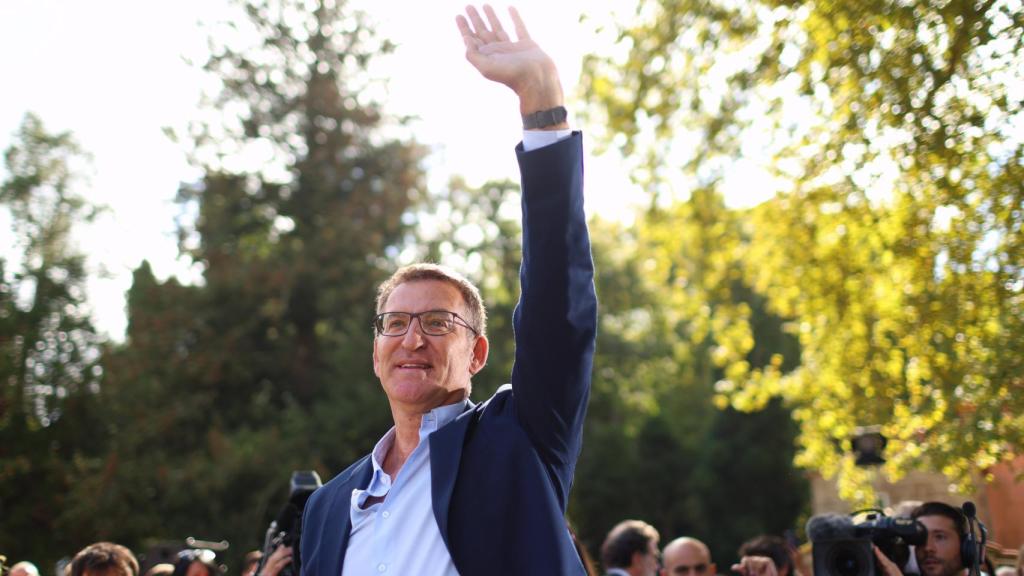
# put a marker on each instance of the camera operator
(942, 554)
(276, 562)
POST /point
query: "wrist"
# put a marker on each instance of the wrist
(542, 92)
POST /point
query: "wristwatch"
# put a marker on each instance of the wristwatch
(545, 118)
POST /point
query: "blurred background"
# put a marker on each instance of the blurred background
(807, 225)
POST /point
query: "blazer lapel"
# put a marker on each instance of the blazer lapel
(341, 507)
(445, 454)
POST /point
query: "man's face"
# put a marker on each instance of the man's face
(421, 372)
(198, 569)
(646, 564)
(687, 559)
(940, 556)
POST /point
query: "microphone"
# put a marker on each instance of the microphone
(826, 527)
(969, 510)
(973, 561)
(286, 519)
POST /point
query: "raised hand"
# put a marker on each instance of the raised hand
(521, 64)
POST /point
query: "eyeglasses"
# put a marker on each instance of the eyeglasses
(432, 323)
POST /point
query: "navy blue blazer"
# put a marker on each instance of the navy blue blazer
(501, 471)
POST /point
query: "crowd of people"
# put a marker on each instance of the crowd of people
(110, 559)
(631, 548)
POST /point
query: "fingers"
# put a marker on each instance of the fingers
(492, 19)
(755, 566)
(888, 566)
(517, 21)
(490, 31)
(470, 39)
(479, 27)
(277, 561)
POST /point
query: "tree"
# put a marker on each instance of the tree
(49, 349)
(223, 389)
(655, 444)
(894, 243)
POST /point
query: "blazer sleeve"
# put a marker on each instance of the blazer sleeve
(555, 321)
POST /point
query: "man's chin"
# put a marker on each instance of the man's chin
(936, 570)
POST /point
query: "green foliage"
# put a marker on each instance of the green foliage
(49, 349)
(895, 241)
(222, 389)
(654, 444)
(656, 448)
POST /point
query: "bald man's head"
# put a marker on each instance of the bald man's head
(687, 557)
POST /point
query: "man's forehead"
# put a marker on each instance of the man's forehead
(424, 294)
(691, 553)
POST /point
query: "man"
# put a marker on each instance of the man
(687, 557)
(947, 528)
(104, 559)
(631, 549)
(472, 489)
(24, 568)
(773, 547)
(942, 553)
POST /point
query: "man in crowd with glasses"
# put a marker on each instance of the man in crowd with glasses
(462, 488)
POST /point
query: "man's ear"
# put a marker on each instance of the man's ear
(637, 559)
(376, 359)
(480, 350)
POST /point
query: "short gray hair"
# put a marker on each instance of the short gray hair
(425, 271)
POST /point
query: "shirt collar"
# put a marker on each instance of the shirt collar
(429, 423)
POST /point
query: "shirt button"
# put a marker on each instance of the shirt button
(382, 567)
(386, 514)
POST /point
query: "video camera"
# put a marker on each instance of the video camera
(286, 529)
(842, 548)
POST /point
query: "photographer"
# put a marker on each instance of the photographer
(276, 562)
(942, 554)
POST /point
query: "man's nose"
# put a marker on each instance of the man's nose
(413, 337)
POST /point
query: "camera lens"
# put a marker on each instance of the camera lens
(846, 561)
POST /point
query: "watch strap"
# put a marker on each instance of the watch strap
(545, 118)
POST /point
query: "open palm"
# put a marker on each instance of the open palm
(517, 64)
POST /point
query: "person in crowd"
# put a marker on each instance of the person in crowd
(773, 547)
(631, 549)
(162, 569)
(104, 559)
(251, 563)
(942, 554)
(24, 568)
(278, 559)
(196, 562)
(947, 528)
(687, 556)
(1005, 571)
(456, 487)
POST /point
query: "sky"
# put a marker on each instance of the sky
(114, 73)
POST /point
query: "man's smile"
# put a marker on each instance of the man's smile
(413, 366)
